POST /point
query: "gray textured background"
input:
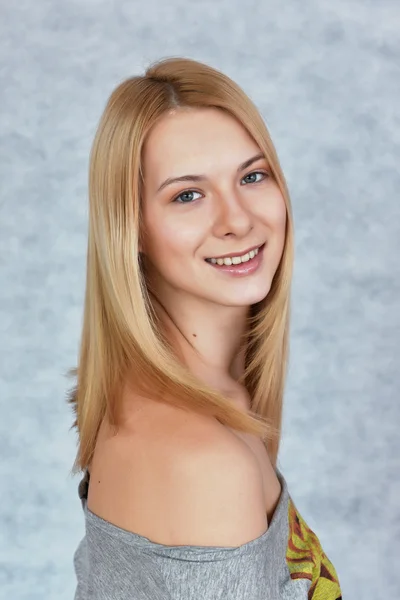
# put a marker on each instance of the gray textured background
(325, 76)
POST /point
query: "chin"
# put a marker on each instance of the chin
(245, 298)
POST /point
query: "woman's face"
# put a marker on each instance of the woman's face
(220, 206)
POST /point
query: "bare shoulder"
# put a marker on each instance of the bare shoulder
(180, 479)
(216, 493)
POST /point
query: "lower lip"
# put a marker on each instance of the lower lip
(242, 269)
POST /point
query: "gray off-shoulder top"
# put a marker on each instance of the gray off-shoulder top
(286, 562)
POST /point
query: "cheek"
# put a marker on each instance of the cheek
(281, 214)
(278, 224)
(273, 211)
(170, 237)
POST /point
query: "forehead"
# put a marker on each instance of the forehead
(194, 141)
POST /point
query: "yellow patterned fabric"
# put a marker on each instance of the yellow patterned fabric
(307, 560)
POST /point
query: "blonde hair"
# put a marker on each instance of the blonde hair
(120, 335)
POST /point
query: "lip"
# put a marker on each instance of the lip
(243, 269)
(238, 253)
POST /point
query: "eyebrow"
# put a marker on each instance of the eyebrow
(240, 168)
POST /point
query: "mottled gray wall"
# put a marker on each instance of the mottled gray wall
(325, 76)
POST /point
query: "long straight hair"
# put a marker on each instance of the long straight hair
(121, 339)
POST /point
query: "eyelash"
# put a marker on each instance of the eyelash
(248, 174)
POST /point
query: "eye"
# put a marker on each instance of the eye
(186, 197)
(254, 173)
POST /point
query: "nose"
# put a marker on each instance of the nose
(231, 216)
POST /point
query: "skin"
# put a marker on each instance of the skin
(204, 310)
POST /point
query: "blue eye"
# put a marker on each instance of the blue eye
(186, 193)
(255, 173)
(186, 197)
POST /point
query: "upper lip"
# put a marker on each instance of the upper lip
(238, 253)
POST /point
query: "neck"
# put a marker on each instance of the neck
(207, 336)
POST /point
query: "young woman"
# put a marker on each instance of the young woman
(184, 348)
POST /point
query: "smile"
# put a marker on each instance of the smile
(235, 259)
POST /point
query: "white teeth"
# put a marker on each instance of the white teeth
(235, 260)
